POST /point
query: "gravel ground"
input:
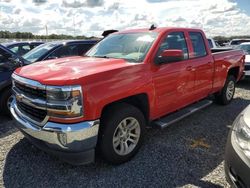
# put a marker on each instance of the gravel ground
(187, 154)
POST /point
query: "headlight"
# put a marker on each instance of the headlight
(242, 136)
(64, 101)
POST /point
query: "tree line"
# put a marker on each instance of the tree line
(29, 35)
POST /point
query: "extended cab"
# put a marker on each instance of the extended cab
(71, 106)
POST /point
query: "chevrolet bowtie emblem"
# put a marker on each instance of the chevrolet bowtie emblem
(19, 98)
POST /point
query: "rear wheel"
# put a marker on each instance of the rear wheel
(122, 131)
(5, 101)
(225, 96)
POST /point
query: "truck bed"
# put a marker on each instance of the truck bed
(225, 59)
(216, 50)
(231, 56)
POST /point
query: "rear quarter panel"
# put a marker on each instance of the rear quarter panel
(223, 62)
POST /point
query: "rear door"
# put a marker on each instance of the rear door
(202, 64)
(174, 81)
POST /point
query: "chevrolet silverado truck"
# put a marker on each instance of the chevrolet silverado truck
(75, 106)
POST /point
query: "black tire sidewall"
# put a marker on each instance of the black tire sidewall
(4, 97)
(223, 98)
(110, 123)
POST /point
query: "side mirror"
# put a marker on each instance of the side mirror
(168, 56)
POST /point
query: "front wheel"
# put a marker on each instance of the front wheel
(122, 130)
(226, 94)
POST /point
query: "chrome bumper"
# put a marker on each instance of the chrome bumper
(75, 138)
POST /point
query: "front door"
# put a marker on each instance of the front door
(173, 81)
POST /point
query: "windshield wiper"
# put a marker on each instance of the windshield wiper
(101, 56)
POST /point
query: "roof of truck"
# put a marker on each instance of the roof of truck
(158, 29)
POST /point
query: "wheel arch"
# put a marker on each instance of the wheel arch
(140, 101)
(234, 71)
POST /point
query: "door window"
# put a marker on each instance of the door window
(24, 49)
(198, 44)
(14, 49)
(83, 48)
(20, 49)
(174, 40)
(64, 51)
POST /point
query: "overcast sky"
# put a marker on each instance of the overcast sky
(91, 17)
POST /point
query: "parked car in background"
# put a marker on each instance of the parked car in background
(59, 49)
(246, 48)
(237, 157)
(235, 42)
(130, 78)
(9, 61)
(21, 48)
(52, 50)
(212, 43)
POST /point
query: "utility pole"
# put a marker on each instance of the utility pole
(74, 25)
(46, 30)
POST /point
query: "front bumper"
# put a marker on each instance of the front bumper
(237, 165)
(73, 143)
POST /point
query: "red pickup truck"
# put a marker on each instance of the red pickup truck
(73, 106)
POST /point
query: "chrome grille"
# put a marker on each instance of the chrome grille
(30, 99)
(36, 93)
(36, 114)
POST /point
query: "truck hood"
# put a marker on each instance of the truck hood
(65, 70)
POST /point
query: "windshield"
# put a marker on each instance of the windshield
(38, 52)
(129, 46)
(245, 48)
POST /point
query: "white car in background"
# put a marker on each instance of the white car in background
(236, 42)
(246, 48)
(212, 43)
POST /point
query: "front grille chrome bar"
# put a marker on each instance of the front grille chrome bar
(27, 82)
(29, 100)
(35, 103)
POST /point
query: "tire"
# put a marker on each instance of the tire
(115, 144)
(225, 96)
(5, 98)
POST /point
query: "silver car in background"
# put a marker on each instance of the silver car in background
(236, 42)
(246, 48)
